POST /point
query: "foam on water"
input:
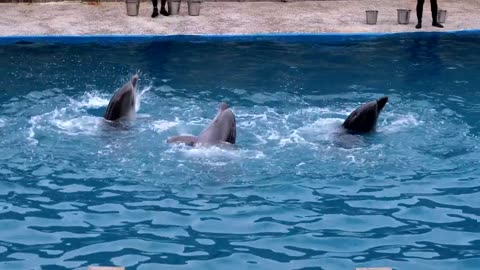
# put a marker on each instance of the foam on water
(211, 152)
(80, 125)
(397, 123)
(322, 129)
(31, 130)
(91, 100)
(70, 120)
(162, 125)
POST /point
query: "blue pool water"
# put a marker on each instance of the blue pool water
(293, 195)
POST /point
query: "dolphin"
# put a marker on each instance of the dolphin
(221, 130)
(364, 118)
(122, 104)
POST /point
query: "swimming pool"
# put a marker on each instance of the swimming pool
(291, 196)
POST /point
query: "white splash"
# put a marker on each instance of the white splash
(404, 121)
(34, 120)
(323, 125)
(91, 100)
(139, 96)
(273, 135)
(211, 152)
(322, 129)
(322, 111)
(65, 121)
(292, 138)
(221, 153)
(162, 125)
(76, 126)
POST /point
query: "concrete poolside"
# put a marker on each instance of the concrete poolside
(75, 18)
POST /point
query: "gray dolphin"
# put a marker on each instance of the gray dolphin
(222, 129)
(122, 104)
(364, 118)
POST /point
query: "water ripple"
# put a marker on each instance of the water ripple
(295, 193)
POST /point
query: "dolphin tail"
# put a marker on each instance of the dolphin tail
(186, 139)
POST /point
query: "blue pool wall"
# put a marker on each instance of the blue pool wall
(286, 37)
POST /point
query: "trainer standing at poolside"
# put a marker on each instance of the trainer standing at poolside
(434, 5)
(163, 11)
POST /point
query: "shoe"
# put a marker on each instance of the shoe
(155, 12)
(436, 24)
(164, 12)
(418, 26)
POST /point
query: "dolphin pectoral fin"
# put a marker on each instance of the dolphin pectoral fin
(186, 139)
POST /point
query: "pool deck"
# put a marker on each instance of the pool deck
(76, 18)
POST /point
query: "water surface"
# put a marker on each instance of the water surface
(293, 195)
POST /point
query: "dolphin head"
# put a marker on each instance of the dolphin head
(133, 81)
(224, 113)
(128, 99)
(222, 128)
(226, 118)
(364, 118)
(122, 104)
(381, 102)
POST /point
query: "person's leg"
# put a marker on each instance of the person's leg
(155, 9)
(434, 5)
(419, 13)
(163, 10)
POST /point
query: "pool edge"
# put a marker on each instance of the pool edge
(137, 38)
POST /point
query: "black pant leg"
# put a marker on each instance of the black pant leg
(155, 3)
(434, 5)
(420, 10)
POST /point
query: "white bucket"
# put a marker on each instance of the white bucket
(372, 16)
(194, 7)
(133, 7)
(442, 16)
(403, 16)
(174, 7)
